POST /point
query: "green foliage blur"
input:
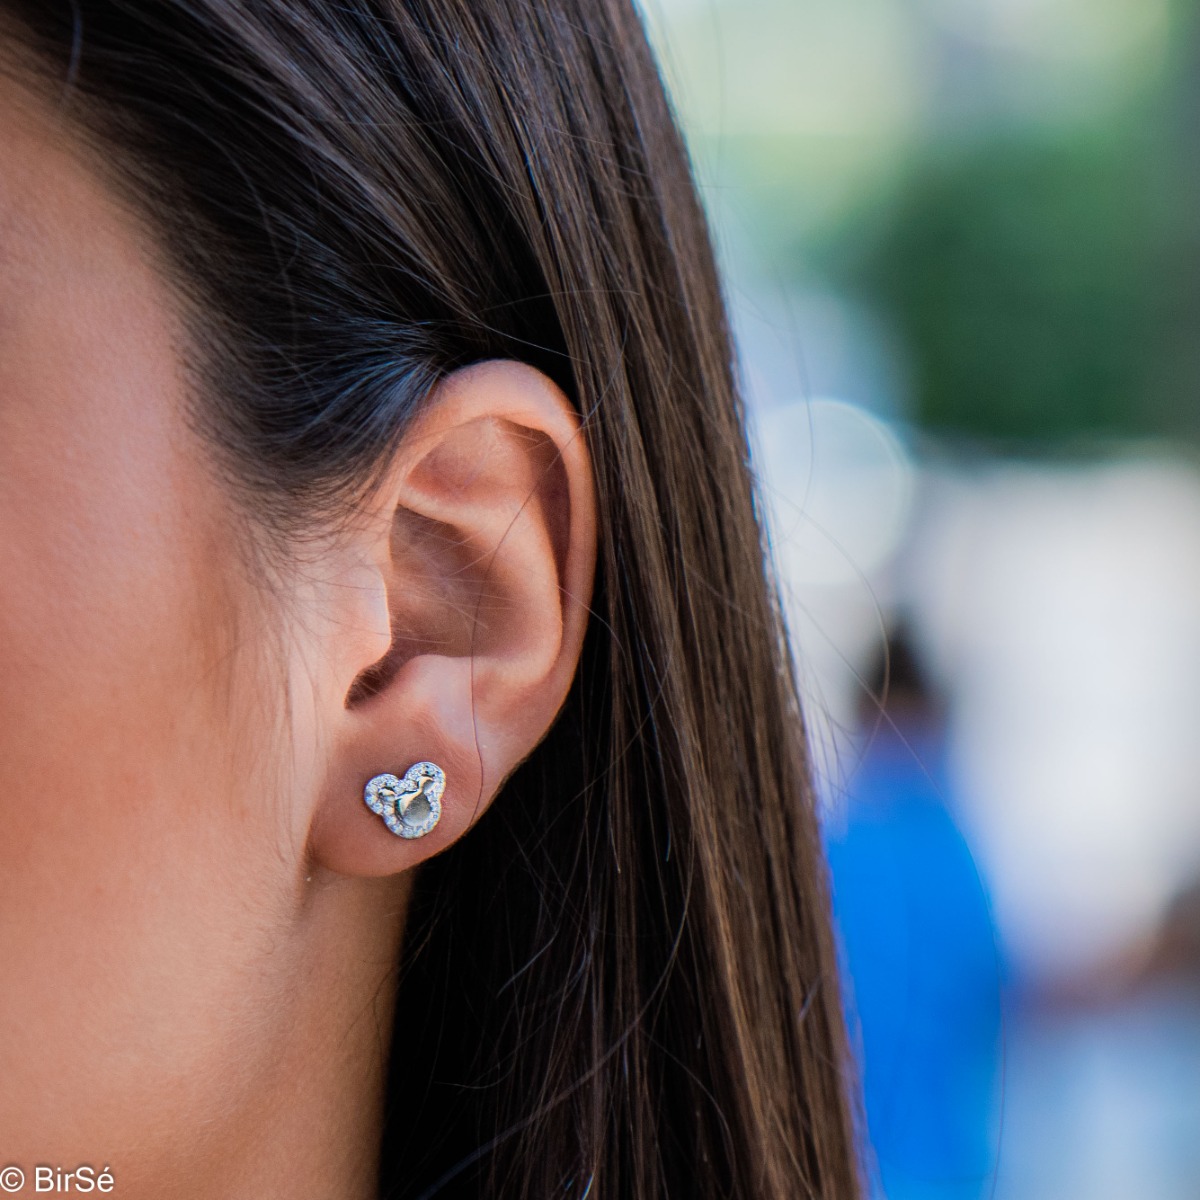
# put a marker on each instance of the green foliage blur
(1041, 288)
(1013, 186)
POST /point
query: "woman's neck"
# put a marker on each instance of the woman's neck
(312, 1125)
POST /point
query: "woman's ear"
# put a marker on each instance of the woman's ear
(482, 544)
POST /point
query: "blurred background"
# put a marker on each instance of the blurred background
(961, 241)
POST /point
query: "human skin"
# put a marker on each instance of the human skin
(199, 919)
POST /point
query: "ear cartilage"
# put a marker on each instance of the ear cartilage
(411, 804)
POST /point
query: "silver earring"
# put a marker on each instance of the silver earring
(410, 806)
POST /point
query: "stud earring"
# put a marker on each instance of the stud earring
(410, 806)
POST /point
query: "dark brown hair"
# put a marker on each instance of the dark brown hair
(622, 982)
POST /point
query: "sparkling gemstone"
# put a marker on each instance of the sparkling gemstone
(381, 792)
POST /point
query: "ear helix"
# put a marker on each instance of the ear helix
(410, 805)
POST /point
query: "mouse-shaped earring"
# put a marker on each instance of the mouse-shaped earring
(410, 805)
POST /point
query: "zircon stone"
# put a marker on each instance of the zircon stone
(380, 793)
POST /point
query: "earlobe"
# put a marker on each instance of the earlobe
(485, 536)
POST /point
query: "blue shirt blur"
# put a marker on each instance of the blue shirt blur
(921, 973)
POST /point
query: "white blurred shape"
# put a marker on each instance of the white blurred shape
(1064, 604)
(838, 487)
